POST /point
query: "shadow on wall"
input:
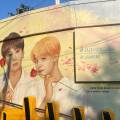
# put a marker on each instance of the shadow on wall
(97, 97)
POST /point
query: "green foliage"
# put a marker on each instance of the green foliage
(21, 9)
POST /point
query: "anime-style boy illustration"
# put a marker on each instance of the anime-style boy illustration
(45, 54)
(20, 84)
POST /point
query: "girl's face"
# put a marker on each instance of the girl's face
(45, 65)
(16, 58)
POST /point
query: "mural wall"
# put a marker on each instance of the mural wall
(55, 59)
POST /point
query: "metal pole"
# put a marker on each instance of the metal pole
(57, 2)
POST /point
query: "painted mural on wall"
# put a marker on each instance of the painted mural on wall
(97, 54)
(42, 65)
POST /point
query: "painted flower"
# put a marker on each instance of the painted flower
(33, 72)
(2, 62)
(94, 69)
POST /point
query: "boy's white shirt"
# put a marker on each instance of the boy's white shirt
(69, 95)
(26, 86)
(63, 91)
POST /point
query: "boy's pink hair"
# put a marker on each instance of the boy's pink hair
(46, 46)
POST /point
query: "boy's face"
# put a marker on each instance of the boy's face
(16, 58)
(45, 65)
